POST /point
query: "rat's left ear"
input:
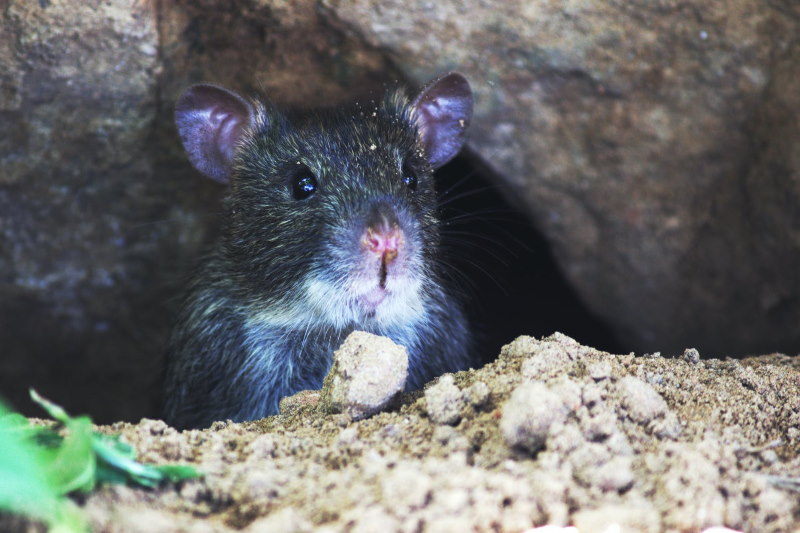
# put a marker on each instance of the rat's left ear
(442, 112)
(211, 121)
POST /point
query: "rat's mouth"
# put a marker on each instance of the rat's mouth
(373, 298)
(375, 295)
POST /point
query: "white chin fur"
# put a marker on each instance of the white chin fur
(333, 305)
(340, 307)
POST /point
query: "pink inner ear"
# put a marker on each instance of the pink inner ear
(211, 121)
(228, 130)
(443, 112)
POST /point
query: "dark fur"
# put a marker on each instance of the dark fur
(247, 335)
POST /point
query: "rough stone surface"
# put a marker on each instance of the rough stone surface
(529, 414)
(655, 143)
(101, 216)
(478, 394)
(691, 355)
(444, 401)
(596, 468)
(367, 373)
(641, 400)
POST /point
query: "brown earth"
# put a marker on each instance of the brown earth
(552, 432)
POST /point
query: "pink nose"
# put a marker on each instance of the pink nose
(384, 242)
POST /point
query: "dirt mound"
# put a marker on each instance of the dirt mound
(552, 432)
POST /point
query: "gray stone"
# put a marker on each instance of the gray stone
(642, 401)
(654, 143)
(444, 401)
(368, 372)
(529, 414)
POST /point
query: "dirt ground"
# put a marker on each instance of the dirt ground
(552, 432)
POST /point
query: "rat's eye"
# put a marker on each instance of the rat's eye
(409, 179)
(304, 184)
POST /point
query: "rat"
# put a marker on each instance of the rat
(329, 225)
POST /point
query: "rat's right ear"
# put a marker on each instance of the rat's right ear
(211, 121)
(442, 111)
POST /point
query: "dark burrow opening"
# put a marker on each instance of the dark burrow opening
(505, 266)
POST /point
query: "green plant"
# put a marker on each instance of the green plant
(40, 465)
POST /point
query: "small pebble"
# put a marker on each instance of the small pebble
(478, 394)
(287, 520)
(599, 371)
(615, 475)
(641, 400)
(549, 358)
(528, 415)
(368, 371)
(444, 401)
(691, 355)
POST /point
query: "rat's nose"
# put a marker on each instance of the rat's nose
(383, 236)
(384, 241)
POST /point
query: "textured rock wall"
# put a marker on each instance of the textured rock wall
(100, 215)
(655, 143)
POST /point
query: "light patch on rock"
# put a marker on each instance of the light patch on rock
(529, 414)
(444, 401)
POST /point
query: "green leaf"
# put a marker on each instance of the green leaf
(107, 459)
(123, 462)
(117, 456)
(72, 465)
(39, 465)
(56, 411)
(26, 487)
(14, 421)
(24, 484)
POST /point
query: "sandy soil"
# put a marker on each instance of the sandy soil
(552, 432)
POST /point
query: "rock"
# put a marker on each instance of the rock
(641, 400)
(654, 149)
(655, 145)
(368, 372)
(599, 371)
(478, 394)
(444, 401)
(529, 414)
(83, 251)
(691, 356)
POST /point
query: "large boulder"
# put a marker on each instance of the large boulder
(656, 144)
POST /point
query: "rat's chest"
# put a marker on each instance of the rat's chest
(304, 356)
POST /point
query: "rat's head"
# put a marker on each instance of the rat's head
(332, 216)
